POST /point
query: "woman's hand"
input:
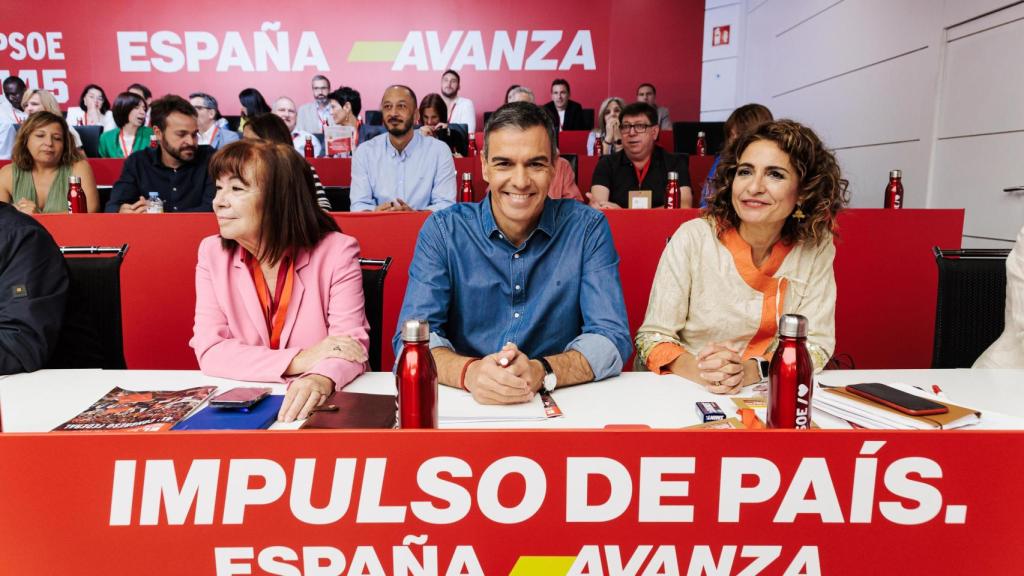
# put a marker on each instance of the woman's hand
(721, 368)
(27, 206)
(304, 394)
(338, 346)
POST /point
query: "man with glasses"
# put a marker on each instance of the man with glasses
(315, 115)
(211, 132)
(641, 165)
(405, 171)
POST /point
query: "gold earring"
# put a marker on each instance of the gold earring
(798, 214)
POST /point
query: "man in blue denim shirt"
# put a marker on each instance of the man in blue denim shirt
(520, 291)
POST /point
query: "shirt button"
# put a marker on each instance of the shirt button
(517, 286)
(516, 256)
(516, 315)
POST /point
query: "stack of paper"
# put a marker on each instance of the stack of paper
(458, 406)
(863, 412)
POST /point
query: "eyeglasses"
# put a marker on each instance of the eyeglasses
(638, 128)
(202, 108)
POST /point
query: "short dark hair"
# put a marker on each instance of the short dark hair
(649, 85)
(253, 103)
(453, 73)
(640, 109)
(146, 92)
(15, 80)
(123, 106)
(161, 108)
(436, 102)
(563, 82)
(271, 128)
(350, 95)
(208, 101)
(521, 115)
(746, 118)
(290, 218)
(104, 108)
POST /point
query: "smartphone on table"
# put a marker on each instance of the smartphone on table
(242, 397)
(897, 399)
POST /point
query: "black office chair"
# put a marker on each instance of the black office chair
(338, 197)
(323, 143)
(90, 136)
(684, 136)
(374, 273)
(487, 116)
(233, 122)
(91, 336)
(574, 162)
(970, 305)
(374, 118)
(457, 138)
(588, 118)
(104, 192)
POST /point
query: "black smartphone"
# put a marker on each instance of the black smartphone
(897, 399)
(243, 397)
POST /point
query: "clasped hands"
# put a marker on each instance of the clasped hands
(721, 368)
(505, 377)
(306, 393)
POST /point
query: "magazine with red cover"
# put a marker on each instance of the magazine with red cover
(131, 411)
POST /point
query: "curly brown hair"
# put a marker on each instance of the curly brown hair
(20, 155)
(822, 190)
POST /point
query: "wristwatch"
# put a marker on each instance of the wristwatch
(762, 368)
(550, 380)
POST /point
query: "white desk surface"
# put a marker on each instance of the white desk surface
(40, 401)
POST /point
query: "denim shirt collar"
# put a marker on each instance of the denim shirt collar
(547, 224)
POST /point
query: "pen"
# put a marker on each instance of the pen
(326, 408)
(936, 389)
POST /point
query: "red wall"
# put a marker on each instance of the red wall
(656, 41)
(884, 270)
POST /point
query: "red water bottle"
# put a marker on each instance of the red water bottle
(894, 191)
(702, 148)
(309, 146)
(76, 198)
(472, 144)
(672, 198)
(598, 146)
(416, 378)
(153, 142)
(791, 376)
(466, 192)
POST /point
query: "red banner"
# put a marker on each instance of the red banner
(511, 502)
(603, 48)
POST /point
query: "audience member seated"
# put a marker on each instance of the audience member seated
(253, 105)
(607, 128)
(43, 158)
(279, 292)
(646, 93)
(517, 93)
(1008, 350)
(35, 100)
(93, 109)
(284, 108)
(210, 132)
(143, 92)
(14, 92)
(563, 184)
(403, 170)
(345, 107)
(508, 93)
(521, 266)
(271, 128)
(762, 248)
(33, 291)
(460, 110)
(176, 168)
(433, 111)
(640, 165)
(743, 119)
(131, 135)
(315, 115)
(565, 113)
(8, 133)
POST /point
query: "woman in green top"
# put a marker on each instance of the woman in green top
(131, 136)
(43, 158)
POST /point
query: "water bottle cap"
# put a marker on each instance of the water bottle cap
(466, 176)
(152, 137)
(74, 179)
(793, 326)
(154, 194)
(309, 138)
(700, 134)
(415, 331)
(673, 175)
(896, 174)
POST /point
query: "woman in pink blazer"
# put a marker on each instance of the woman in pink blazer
(279, 292)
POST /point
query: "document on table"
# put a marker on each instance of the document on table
(455, 406)
(865, 413)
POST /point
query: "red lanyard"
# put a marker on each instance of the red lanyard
(125, 148)
(324, 119)
(641, 174)
(355, 137)
(213, 135)
(451, 113)
(274, 309)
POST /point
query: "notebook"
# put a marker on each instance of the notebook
(258, 417)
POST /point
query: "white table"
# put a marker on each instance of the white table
(40, 401)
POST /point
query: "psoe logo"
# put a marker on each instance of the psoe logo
(521, 50)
